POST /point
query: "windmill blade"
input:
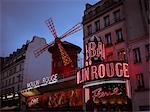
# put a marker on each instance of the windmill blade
(51, 27)
(74, 29)
(40, 50)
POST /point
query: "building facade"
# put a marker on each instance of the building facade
(123, 27)
(19, 68)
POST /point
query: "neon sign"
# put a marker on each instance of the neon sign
(98, 93)
(94, 49)
(45, 81)
(105, 90)
(101, 71)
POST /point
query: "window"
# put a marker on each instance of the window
(13, 80)
(19, 77)
(137, 56)
(121, 55)
(6, 83)
(97, 25)
(106, 21)
(117, 15)
(2, 84)
(90, 13)
(20, 67)
(140, 81)
(9, 81)
(147, 52)
(89, 28)
(108, 39)
(14, 69)
(97, 9)
(110, 57)
(119, 35)
(10, 72)
(18, 87)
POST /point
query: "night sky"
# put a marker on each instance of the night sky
(20, 20)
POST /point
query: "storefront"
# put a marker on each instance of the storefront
(61, 95)
(10, 102)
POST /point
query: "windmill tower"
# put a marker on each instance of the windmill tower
(65, 63)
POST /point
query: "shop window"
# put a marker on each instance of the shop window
(108, 39)
(137, 56)
(119, 35)
(117, 15)
(106, 21)
(147, 52)
(97, 25)
(89, 29)
(140, 81)
(121, 55)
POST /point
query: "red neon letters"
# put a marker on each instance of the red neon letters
(100, 71)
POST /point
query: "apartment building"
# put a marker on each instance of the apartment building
(19, 68)
(123, 27)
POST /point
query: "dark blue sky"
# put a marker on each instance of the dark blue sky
(20, 20)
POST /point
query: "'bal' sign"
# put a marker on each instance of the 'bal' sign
(101, 71)
(94, 50)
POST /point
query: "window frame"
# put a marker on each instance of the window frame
(119, 35)
(147, 51)
(106, 21)
(89, 29)
(97, 25)
(108, 39)
(137, 55)
(140, 81)
(117, 16)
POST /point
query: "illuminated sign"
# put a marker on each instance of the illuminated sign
(45, 81)
(94, 50)
(59, 99)
(103, 70)
(99, 93)
(106, 90)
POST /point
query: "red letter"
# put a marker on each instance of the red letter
(119, 71)
(94, 72)
(125, 70)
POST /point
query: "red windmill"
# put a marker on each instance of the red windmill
(65, 57)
